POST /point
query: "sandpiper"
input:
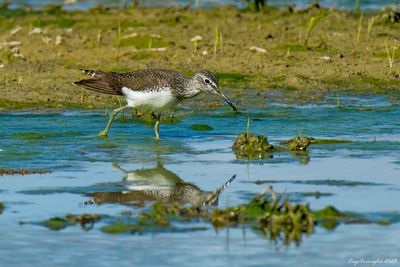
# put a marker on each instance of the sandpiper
(151, 90)
(158, 184)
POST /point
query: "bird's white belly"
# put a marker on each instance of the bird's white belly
(159, 100)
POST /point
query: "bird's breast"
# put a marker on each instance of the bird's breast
(151, 100)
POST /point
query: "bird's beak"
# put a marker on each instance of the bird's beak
(218, 92)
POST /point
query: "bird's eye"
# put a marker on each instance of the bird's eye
(207, 81)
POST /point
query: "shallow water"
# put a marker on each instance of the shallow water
(361, 176)
(342, 4)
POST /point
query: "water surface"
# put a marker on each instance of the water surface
(366, 172)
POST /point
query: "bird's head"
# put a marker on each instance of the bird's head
(208, 82)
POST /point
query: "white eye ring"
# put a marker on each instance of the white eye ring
(207, 81)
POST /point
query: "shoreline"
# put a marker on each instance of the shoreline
(251, 52)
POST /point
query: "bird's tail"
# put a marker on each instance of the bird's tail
(100, 83)
(213, 198)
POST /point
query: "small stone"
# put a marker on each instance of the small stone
(59, 40)
(15, 30)
(35, 31)
(258, 49)
(204, 53)
(326, 58)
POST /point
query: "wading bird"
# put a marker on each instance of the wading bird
(151, 90)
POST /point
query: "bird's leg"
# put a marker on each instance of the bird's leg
(156, 126)
(114, 112)
(116, 165)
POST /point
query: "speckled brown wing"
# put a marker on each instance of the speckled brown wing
(100, 82)
(148, 79)
(142, 80)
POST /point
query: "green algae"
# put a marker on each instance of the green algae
(125, 119)
(247, 146)
(298, 143)
(150, 118)
(56, 223)
(18, 155)
(330, 217)
(1, 207)
(107, 145)
(328, 141)
(201, 127)
(118, 228)
(34, 135)
(268, 213)
(86, 221)
(250, 146)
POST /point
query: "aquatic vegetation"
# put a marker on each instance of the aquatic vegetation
(1, 207)
(271, 215)
(107, 145)
(250, 146)
(86, 221)
(150, 118)
(21, 172)
(41, 135)
(328, 141)
(201, 127)
(298, 143)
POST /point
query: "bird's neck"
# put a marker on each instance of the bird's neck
(192, 88)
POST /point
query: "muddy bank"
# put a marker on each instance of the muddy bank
(252, 52)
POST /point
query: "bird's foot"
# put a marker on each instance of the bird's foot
(102, 134)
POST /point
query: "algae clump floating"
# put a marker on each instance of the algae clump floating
(201, 127)
(86, 221)
(251, 146)
(298, 143)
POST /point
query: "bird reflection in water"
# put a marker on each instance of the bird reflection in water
(158, 184)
